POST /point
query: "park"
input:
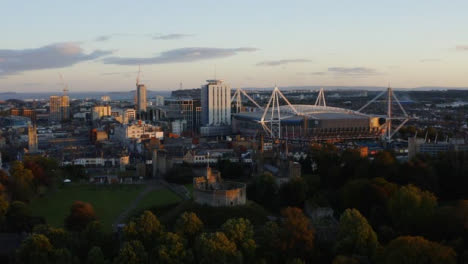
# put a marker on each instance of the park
(109, 201)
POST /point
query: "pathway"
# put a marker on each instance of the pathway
(150, 186)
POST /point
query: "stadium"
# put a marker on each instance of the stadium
(308, 122)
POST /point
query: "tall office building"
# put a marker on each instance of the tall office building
(54, 108)
(216, 103)
(32, 139)
(59, 108)
(141, 98)
(100, 111)
(65, 107)
(216, 108)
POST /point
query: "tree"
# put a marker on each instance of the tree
(241, 232)
(230, 170)
(58, 237)
(132, 252)
(295, 261)
(269, 242)
(35, 249)
(384, 165)
(345, 260)
(264, 190)
(179, 175)
(355, 235)
(189, 225)
(4, 178)
(451, 222)
(18, 217)
(3, 210)
(217, 248)
(21, 183)
(296, 233)
(415, 250)
(95, 256)
(410, 208)
(146, 228)
(63, 256)
(417, 172)
(171, 249)
(294, 192)
(81, 214)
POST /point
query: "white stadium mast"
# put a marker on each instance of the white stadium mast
(389, 133)
(275, 114)
(238, 97)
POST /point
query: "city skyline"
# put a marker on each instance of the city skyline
(99, 46)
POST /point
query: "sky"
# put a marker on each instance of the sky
(99, 45)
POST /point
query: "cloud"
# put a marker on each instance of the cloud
(118, 73)
(352, 71)
(312, 73)
(103, 38)
(462, 48)
(180, 55)
(281, 62)
(47, 57)
(31, 83)
(172, 36)
(429, 60)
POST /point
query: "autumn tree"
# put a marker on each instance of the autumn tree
(296, 233)
(18, 217)
(4, 178)
(35, 249)
(419, 173)
(21, 183)
(293, 192)
(217, 248)
(63, 256)
(355, 235)
(81, 214)
(269, 242)
(345, 260)
(132, 252)
(95, 256)
(43, 169)
(241, 232)
(189, 226)
(146, 228)
(416, 250)
(3, 211)
(171, 249)
(58, 237)
(410, 208)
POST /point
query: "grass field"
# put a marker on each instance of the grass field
(108, 202)
(189, 188)
(157, 198)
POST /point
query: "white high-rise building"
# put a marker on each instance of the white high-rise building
(216, 103)
(141, 98)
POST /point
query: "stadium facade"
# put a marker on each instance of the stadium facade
(311, 122)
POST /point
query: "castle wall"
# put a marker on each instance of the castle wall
(217, 198)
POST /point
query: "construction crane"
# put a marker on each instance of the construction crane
(65, 86)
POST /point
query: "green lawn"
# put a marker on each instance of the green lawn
(189, 188)
(108, 202)
(157, 198)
